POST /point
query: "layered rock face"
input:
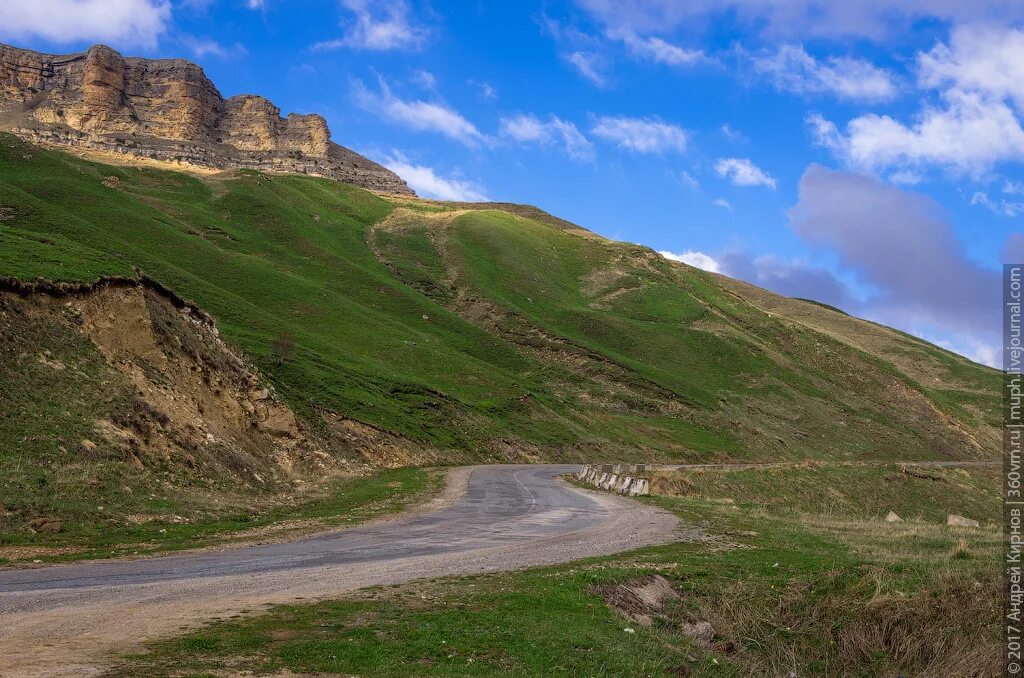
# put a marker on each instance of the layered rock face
(168, 110)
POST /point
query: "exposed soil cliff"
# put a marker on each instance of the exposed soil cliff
(124, 408)
(167, 110)
(183, 397)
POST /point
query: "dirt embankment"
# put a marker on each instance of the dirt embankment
(195, 400)
(127, 407)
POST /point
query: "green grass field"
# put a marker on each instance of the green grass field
(596, 348)
(184, 522)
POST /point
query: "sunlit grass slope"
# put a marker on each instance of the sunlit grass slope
(484, 331)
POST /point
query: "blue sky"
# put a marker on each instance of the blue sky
(863, 154)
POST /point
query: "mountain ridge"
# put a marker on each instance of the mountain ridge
(167, 110)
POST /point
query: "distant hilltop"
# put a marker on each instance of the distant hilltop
(167, 110)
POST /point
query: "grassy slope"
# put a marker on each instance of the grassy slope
(600, 348)
(749, 382)
(341, 502)
(789, 587)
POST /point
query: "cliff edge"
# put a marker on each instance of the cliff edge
(167, 110)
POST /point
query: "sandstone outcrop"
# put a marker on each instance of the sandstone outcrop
(167, 110)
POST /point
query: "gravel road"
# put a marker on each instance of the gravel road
(77, 619)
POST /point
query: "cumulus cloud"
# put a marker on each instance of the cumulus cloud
(791, 69)
(135, 23)
(527, 128)
(874, 19)
(417, 115)
(902, 244)
(428, 183)
(377, 25)
(984, 59)
(970, 134)
(972, 126)
(693, 258)
(742, 172)
(641, 135)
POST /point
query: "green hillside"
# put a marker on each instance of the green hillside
(492, 333)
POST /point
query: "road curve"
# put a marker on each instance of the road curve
(73, 619)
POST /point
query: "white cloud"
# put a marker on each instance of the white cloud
(1013, 188)
(825, 133)
(426, 182)
(732, 134)
(119, 22)
(689, 180)
(418, 115)
(905, 178)
(972, 127)
(1003, 207)
(587, 64)
(487, 91)
(657, 50)
(424, 79)
(971, 134)
(742, 172)
(566, 33)
(695, 259)
(723, 203)
(255, 4)
(985, 59)
(790, 68)
(525, 127)
(378, 25)
(979, 352)
(528, 128)
(204, 47)
(875, 19)
(641, 135)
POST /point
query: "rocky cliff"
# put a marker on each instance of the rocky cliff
(167, 110)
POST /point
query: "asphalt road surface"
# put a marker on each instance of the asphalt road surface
(75, 619)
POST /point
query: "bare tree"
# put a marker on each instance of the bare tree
(282, 346)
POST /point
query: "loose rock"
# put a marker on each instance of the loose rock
(959, 521)
(46, 525)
